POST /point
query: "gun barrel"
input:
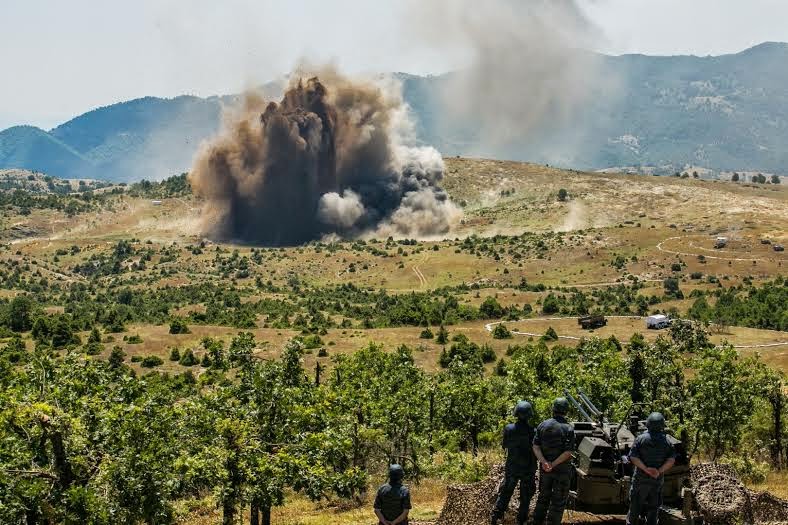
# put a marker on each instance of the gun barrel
(578, 407)
(584, 398)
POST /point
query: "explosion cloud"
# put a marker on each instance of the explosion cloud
(330, 158)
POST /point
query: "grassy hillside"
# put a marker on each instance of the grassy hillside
(165, 351)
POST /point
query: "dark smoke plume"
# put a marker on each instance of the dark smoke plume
(330, 158)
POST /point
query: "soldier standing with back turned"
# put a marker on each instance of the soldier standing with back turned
(520, 464)
(392, 502)
(553, 445)
(652, 456)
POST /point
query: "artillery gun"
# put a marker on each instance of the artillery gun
(603, 473)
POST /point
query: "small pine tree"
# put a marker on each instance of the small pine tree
(443, 336)
(501, 332)
(179, 326)
(175, 354)
(500, 367)
(426, 334)
(188, 358)
(116, 357)
(95, 336)
(550, 334)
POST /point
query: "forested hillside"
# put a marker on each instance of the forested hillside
(721, 113)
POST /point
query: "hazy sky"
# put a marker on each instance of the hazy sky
(60, 58)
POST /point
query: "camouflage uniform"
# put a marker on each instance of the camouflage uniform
(520, 465)
(645, 494)
(554, 436)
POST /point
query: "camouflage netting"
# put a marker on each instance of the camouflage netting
(722, 498)
(472, 504)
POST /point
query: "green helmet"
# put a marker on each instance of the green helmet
(561, 406)
(523, 411)
(655, 422)
(396, 473)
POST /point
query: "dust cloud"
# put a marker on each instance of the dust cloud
(333, 158)
(530, 71)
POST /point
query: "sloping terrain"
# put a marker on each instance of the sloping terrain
(720, 113)
(34, 149)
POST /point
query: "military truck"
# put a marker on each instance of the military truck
(603, 473)
(588, 322)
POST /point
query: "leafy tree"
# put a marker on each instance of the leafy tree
(722, 398)
(550, 304)
(671, 285)
(466, 403)
(562, 195)
(20, 313)
(62, 333)
(491, 309)
(41, 330)
(215, 350)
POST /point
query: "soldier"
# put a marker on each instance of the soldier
(520, 464)
(553, 445)
(652, 456)
(392, 502)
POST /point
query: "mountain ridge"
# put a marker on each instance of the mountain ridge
(725, 112)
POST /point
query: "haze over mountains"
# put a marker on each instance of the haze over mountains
(725, 113)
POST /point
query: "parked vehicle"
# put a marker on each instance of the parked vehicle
(657, 322)
(592, 321)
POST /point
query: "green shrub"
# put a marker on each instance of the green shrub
(750, 471)
(151, 361)
(175, 355)
(501, 332)
(487, 353)
(312, 341)
(491, 309)
(188, 358)
(550, 334)
(179, 326)
(426, 334)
